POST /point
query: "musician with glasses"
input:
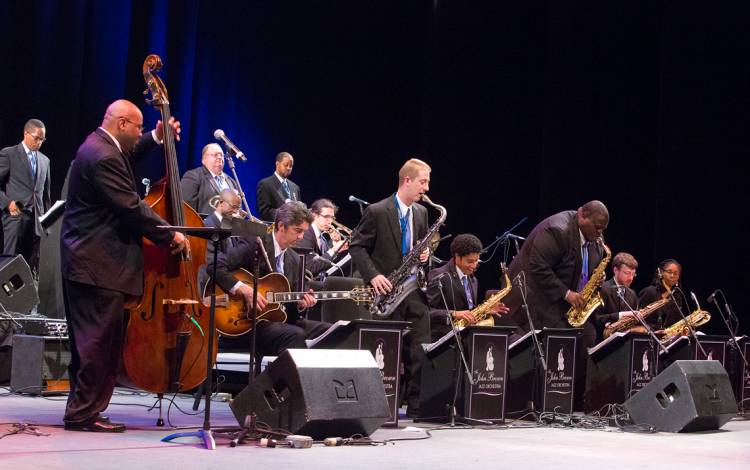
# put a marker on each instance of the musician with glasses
(322, 243)
(275, 190)
(624, 267)
(385, 234)
(228, 205)
(201, 184)
(292, 219)
(666, 278)
(25, 193)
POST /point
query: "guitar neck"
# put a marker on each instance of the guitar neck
(284, 297)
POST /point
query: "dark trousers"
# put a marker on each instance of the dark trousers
(274, 338)
(414, 309)
(20, 238)
(95, 318)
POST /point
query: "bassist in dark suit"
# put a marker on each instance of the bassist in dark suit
(292, 219)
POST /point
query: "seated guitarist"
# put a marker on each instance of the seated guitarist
(292, 219)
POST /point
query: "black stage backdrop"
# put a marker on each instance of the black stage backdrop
(521, 108)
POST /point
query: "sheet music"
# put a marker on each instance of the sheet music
(429, 347)
(52, 214)
(605, 342)
(338, 266)
(339, 324)
(522, 339)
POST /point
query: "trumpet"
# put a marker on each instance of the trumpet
(240, 213)
(342, 230)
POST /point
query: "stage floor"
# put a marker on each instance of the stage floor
(419, 445)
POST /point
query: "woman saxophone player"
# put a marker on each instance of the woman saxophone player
(666, 278)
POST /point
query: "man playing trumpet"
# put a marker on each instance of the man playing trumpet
(323, 243)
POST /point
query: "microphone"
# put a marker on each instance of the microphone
(515, 237)
(712, 297)
(318, 257)
(695, 299)
(147, 183)
(219, 135)
(358, 201)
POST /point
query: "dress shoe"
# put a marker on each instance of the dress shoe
(96, 425)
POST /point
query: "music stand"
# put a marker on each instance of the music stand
(215, 235)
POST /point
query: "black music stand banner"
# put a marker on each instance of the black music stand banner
(486, 349)
(685, 348)
(745, 384)
(529, 386)
(618, 367)
(383, 339)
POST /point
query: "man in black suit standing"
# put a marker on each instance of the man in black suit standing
(24, 193)
(277, 189)
(101, 257)
(455, 282)
(385, 234)
(552, 259)
(322, 244)
(292, 219)
(201, 184)
(624, 267)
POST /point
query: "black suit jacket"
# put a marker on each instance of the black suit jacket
(551, 259)
(270, 196)
(453, 289)
(198, 187)
(613, 304)
(104, 220)
(17, 183)
(241, 256)
(310, 247)
(376, 242)
(666, 315)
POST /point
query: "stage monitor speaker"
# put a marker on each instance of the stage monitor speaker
(17, 290)
(687, 396)
(317, 392)
(40, 365)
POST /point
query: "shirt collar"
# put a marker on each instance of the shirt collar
(26, 149)
(582, 238)
(402, 208)
(113, 138)
(276, 247)
(279, 177)
(317, 231)
(461, 274)
(218, 216)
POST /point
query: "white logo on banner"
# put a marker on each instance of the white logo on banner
(490, 360)
(560, 360)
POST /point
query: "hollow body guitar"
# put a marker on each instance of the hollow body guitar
(233, 315)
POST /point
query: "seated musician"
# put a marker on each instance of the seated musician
(666, 278)
(228, 205)
(459, 286)
(613, 290)
(322, 244)
(292, 219)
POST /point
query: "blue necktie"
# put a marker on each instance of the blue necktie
(279, 264)
(467, 289)
(288, 193)
(32, 161)
(323, 244)
(584, 267)
(220, 182)
(405, 233)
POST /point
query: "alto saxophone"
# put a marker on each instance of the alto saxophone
(483, 313)
(590, 292)
(401, 279)
(630, 322)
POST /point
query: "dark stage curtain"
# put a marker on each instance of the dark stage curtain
(521, 108)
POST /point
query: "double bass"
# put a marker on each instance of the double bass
(166, 338)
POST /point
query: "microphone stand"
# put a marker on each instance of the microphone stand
(539, 356)
(727, 321)
(230, 164)
(503, 238)
(691, 331)
(653, 339)
(459, 345)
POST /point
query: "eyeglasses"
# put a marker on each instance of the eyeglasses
(329, 217)
(139, 126)
(216, 155)
(670, 272)
(36, 137)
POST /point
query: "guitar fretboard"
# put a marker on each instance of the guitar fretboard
(281, 297)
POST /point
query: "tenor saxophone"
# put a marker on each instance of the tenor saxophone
(630, 322)
(590, 292)
(401, 279)
(483, 313)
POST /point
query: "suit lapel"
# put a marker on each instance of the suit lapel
(124, 157)
(391, 212)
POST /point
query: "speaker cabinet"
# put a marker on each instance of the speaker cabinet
(17, 290)
(317, 392)
(40, 365)
(687, 396)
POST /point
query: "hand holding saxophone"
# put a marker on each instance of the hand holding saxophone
(464, 315)
(499, 309)
(381, 284)
(575, 299)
